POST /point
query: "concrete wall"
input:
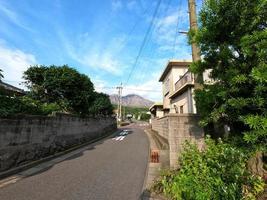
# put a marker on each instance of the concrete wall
(178, 128)
(161, 125)
(31, 137)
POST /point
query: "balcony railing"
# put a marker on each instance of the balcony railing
(187, 78)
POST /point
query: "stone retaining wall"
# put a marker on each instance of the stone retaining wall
(177, 128)
(27, 138)
(161, 125)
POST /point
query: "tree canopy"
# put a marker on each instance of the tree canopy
(65, 86)
(101, 105)
(233, 42)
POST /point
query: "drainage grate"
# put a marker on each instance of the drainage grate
(154, 156)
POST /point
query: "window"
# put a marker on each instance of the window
(181, 109)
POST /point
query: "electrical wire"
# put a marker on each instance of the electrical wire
(129, 88)
(144, 41)
(176, 30)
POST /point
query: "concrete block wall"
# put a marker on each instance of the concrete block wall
(161, 125)
(28, 138)
(181, 127)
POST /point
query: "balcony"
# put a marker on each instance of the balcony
(186, 80)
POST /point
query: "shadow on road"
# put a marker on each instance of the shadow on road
(43, 167)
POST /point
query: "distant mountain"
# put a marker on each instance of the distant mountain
(131, 100)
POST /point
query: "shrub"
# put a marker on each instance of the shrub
(218, 172)
(145, 117)
(25, 105)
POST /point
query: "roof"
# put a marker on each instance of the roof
(172, 63)
(12, 88)
(157, 104)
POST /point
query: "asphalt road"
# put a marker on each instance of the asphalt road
(114, 168)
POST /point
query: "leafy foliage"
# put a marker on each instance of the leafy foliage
(25, 105)
(233, 42)
(66, 87)
(218, 172)
(101, 105)
(145, 117)
(56, 88)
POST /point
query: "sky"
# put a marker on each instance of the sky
(101, 39)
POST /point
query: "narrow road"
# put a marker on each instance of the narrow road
(113, 168)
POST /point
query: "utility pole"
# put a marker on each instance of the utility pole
(195, 49)
(119, 102)
(193, 26)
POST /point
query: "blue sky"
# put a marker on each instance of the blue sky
(99, 38)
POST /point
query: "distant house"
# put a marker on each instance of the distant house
(11, 90)
(178, 86)
(156, 110)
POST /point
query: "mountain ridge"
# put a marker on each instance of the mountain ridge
(131, 100)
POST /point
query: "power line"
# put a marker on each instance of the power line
(176, 30)
(152, 52)
(144, 41)
(128, 88)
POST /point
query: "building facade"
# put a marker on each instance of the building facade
(156, 110)
(178, 88)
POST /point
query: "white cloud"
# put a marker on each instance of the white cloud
(95, 60)
(104, 57)
(103, 86)
(150, 89)
(116, 5)
(167, 37)
(13, 17)
(14, 62)
(105, 62)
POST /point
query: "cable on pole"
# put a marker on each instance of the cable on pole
(144, 41)
(176, 30)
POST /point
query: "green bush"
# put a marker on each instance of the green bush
(218, 172)
(145, 117)
(25, 105)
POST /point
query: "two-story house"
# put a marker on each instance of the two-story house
(178, 88)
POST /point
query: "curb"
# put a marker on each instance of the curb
(147, 194)
(147, 167)
(48, 158)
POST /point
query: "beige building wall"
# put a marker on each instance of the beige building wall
(186, 100)
(178, 102)
(159, 113)
(168, 84)
(167, 90)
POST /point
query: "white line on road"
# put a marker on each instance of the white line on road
(9, 181)
(118, 138)
(122, 137)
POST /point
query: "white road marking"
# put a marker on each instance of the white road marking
(8, 181)
(122, 137)
(118, 138)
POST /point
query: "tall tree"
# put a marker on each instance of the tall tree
(101, 105)
(233, 42)
(63, 85)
